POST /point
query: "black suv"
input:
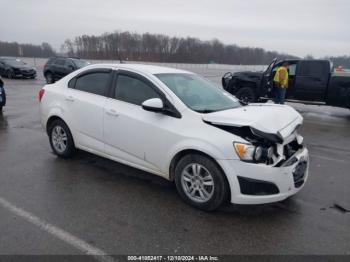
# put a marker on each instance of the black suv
(58, 67)
(15, 68)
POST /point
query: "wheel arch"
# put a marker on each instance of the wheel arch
(51, 119)
(176, 158)
(179, 155)
(47, 71)
(237, 83)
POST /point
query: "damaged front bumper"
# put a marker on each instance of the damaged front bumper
(260, 183)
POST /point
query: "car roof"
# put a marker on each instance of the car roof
(150, 69)
(64, 57)
(302, 60)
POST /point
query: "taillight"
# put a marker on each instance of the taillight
(41, 94)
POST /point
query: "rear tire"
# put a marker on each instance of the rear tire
(61, 139)
(200, 182)
(246, 94)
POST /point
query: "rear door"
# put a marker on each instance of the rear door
(311, 80)
(58, 68)
(85, 98)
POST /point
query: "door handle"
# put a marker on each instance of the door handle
(70, 98)
(112, 112)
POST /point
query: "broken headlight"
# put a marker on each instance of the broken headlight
(248, 152)
(252, 153)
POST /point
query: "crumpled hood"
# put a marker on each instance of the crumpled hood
(280, 120)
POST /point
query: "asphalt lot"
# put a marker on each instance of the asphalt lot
(48, 205)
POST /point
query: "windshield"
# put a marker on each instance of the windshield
(80, 63)
(15, 62)
(199, 94)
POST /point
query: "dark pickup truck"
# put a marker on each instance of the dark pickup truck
(310, 81)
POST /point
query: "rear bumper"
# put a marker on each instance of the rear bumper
(287, 179)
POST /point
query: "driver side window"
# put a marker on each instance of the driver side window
(292, 69)
(69, 64)
(133, 90)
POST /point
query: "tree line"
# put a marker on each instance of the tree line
(154, 48)
(26, 50)
(340, 61)
(162, 48)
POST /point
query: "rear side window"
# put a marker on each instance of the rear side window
(313, 68)
(133, 90)
(95, 83)
(50, 61)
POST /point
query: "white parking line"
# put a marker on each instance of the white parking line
(74, 241)
(329, 158)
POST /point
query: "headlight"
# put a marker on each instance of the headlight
(258, 154)
(245, 151)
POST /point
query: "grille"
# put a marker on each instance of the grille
(28, 71)
(291, 148)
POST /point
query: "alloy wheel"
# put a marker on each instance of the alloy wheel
(59, 139)
(197, 183)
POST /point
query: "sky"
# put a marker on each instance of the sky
(297, 27)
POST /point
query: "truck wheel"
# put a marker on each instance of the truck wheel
(200, 182)
(9, 74)
(246, 94)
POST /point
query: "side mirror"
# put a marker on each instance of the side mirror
(153, 105)
(71, 67)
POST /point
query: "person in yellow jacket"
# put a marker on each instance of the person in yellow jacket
(281, 83)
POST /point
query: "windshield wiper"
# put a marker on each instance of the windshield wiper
(205, 111)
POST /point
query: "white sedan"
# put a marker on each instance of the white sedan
(178, 125)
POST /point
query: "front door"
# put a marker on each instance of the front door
(266, 89)
(132, 134)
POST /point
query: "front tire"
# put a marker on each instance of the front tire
(61, 139)
(9, 74)
(246, 94)
(200, 182)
